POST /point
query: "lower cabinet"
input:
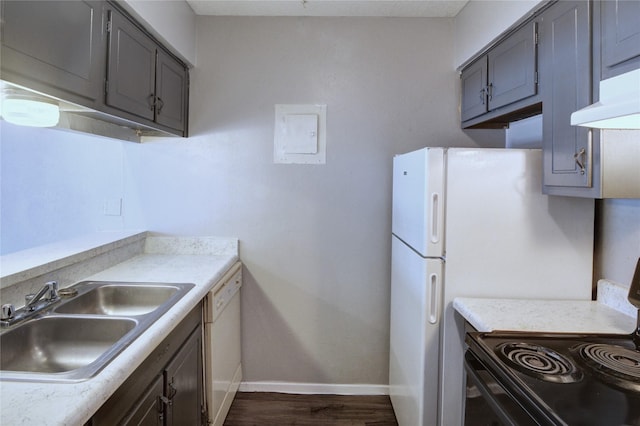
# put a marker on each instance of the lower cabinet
(183, 384)
(167, 388)
(149, 410)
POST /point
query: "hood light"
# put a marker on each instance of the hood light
(27, 110)
(618, 107)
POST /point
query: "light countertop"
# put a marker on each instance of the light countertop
(31, 403)
(611, 313)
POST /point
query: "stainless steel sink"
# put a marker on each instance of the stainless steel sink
(78, 336)
(125, 299)
(60, 344)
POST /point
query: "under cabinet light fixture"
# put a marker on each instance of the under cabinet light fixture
(29, 110)
(618, 107)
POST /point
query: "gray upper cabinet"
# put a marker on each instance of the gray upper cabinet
(474, 86)
(502, 81)
(55, 47)
(171, 92)
(132, 68)
(143, 79)
(512, 68)
(581, 43)
(565, 58)
(93, 54)
(620, 36)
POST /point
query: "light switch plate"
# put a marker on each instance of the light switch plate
(113, 206)
(299, 134)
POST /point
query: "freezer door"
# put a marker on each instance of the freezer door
(418, 200)
(416, 307)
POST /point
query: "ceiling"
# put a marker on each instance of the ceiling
(389, 8)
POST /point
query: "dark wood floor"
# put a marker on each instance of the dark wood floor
(280, 409)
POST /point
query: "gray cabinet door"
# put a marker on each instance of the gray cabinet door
(131, 68)
(473, 90)
(620, 26)
(150, 408)
(56, 47)
(565, 56)
(505, 76)
(171, 88)
(512, 68)
(183, 383)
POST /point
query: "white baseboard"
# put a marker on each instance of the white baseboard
(314, 388)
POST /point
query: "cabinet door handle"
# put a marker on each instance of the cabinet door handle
(160, 104)
(581, 157)
(172, 392)
(164, 400)
(151, 100)
(490, 91)
(482, 92)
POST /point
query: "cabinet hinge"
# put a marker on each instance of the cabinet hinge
(109, 26)
(536, 38)
(535, 77)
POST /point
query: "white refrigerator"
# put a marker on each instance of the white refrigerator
(473, 223)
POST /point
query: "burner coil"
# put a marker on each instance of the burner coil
(615, 364)
(539, 362)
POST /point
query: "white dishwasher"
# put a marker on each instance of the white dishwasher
(223, 368)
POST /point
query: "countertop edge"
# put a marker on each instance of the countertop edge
(564, 316)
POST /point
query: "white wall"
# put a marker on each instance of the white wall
(481, 21)
(54, 185)
(618, 244)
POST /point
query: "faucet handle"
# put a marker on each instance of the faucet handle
(28, 298)
(53, 289)
(7, 311)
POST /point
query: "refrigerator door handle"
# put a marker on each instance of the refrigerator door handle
(434, 298)
(435, 201)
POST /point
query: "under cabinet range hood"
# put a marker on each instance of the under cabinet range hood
(618, 107)
(69, 117)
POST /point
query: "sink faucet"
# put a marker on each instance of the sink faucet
(34, 303)
(50, 288)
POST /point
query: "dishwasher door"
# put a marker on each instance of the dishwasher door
(223, 369)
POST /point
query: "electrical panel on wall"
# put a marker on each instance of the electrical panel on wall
(300, 134)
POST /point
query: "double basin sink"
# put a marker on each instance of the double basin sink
(74, 338)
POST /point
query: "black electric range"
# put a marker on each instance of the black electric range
(557, 379)
(530, 378)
